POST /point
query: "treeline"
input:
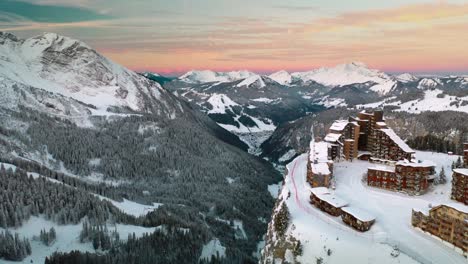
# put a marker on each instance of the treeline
(431, 142)
(12, 247)
(97, 188)
(163, 246)
(22, 196)
(100, 236)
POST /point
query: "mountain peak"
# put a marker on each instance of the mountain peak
(406, 77)
(8, 36)
(205, 76)
(256, 80)
(282, 77)
(54, 41)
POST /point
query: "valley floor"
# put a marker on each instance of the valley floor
(392, 232)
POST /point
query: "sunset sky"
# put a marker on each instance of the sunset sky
(174, 36)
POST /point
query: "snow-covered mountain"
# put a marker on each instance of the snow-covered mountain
(406, 78)
(346, 74)
(207, 76)
(282, 77)
(69, 67)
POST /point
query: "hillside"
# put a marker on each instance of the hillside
(68, 110)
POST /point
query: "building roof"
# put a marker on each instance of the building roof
(393, 136)
(332, 137)
(320, 190)
(339, 125)
(332, 200)
(381, 123)
(364, 112)
(382, 168)
(457, 206)
(358, 213)
(318, 156)
(423, 163)
(461, 171)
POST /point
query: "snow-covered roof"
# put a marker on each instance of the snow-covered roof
(423, 163)
(333, 200)
(318, 151)
(339, 125)
(320, 190)
(321, 168)
(381, 124)
(424, 211)
(332, 137)
(461, 171)
(358, 213)
(382, 168)
(457, 206)
(390, 133)
(319, 157)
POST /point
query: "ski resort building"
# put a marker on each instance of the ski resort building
(389, 146)
(460, 185)
(327, 202)
(448, 222)
(405, 176)
(366, 132)
(343, 138)
(324, 200)
(319, 166)
(357, 218)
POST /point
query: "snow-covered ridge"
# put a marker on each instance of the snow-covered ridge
(346, 74)
(255, 80)
(282, 77)
(71, 68)
(406, 78)
(207, 76)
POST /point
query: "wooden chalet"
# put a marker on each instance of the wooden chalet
(327, 202)
(357, 218)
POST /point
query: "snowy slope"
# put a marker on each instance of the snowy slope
(67, 238)
(254, 80)
(70, 68)
(433, 100)
(318, 231)
(207, 76)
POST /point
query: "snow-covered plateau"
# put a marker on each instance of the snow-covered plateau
(392, 239)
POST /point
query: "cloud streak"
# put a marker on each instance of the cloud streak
(49, 13)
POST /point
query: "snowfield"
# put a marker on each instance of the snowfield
(392, 231)
(213, 248)
(67, 238)
(433, 101)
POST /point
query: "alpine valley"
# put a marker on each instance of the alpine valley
(100, 164)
